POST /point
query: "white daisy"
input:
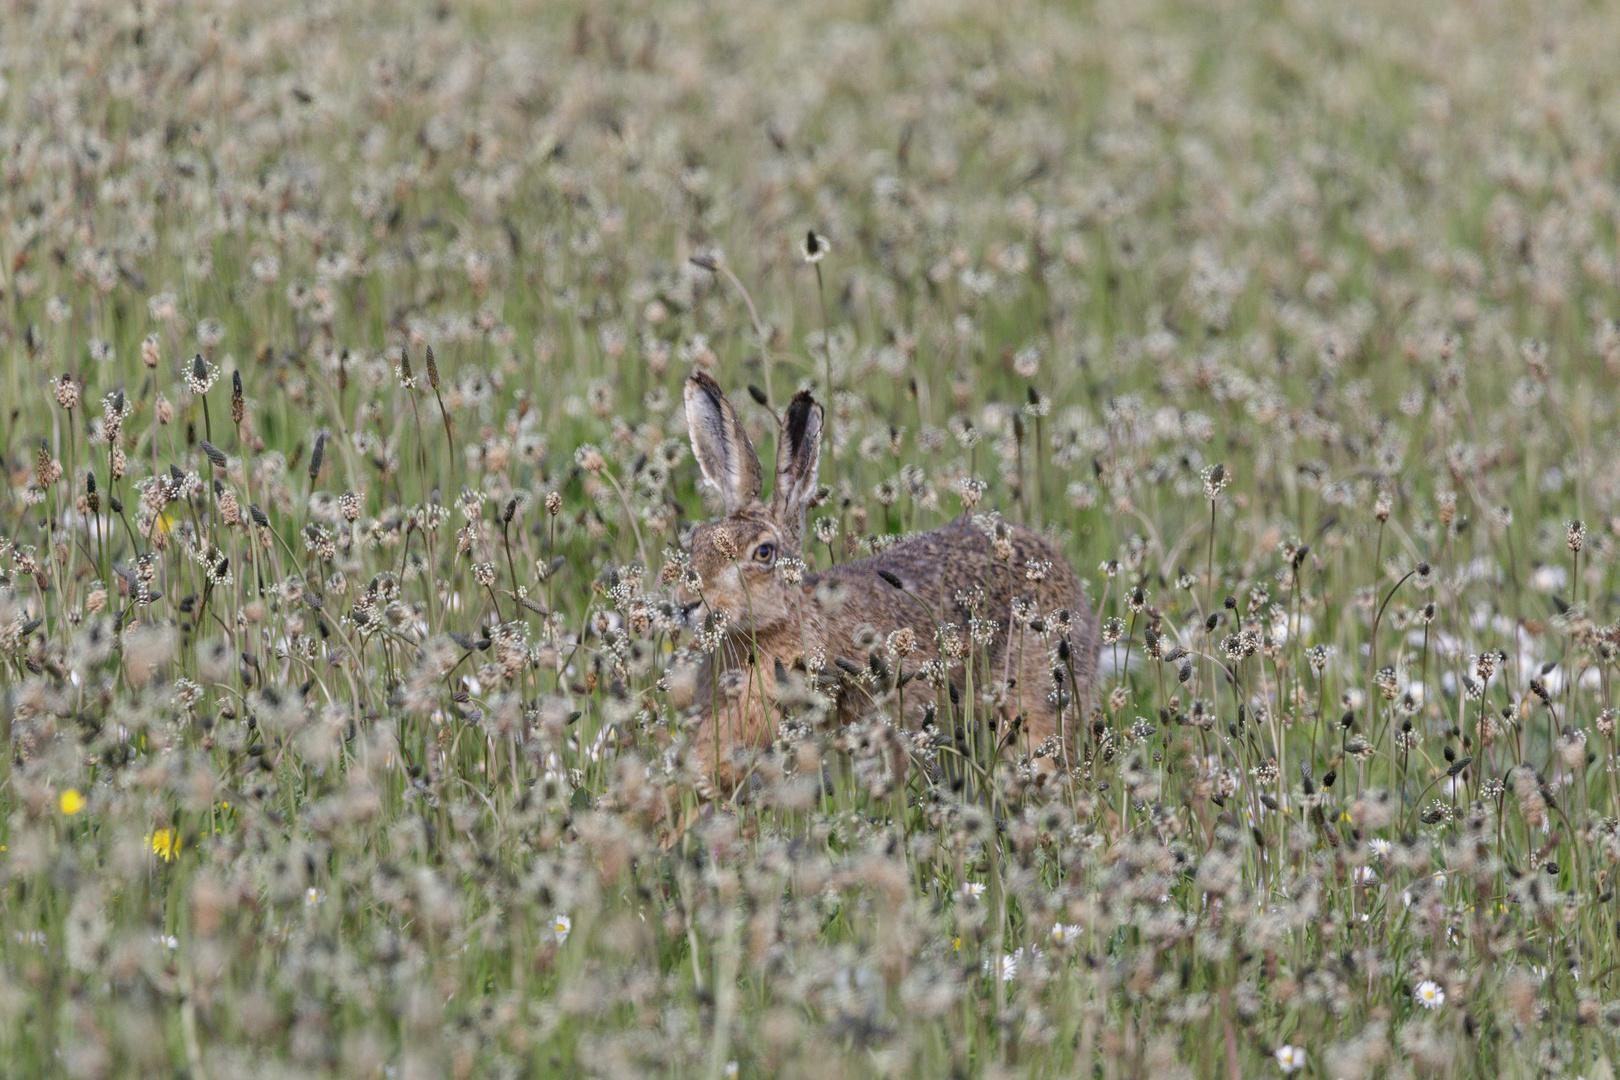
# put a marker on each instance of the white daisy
(1430, 994)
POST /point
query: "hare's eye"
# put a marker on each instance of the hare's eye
(765, 553)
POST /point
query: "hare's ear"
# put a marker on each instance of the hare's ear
(723, 450)
(798, 453)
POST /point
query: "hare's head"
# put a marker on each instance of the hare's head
(738, 559)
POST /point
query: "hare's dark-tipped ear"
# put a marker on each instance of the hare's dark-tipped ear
(722, 447)
(798, 454)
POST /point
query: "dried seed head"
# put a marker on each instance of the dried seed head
(902, 642)
(1382, 505)
(46, 470)
(433, 369)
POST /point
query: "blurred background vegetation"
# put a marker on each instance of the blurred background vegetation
(333, 705)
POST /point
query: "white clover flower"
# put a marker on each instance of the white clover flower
(1290, 1058)
(1429, 994)
(560, 926)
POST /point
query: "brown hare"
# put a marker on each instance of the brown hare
(973, 578)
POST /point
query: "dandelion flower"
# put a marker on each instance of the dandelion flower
(1430, 994)
(1290, 1058)
(560, 926)
(165, 844)
(71, 801)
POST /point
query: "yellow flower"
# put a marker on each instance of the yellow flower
(71, 801)
(165, 843)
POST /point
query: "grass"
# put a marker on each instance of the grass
(337, 694)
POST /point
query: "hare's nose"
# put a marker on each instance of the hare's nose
(688, 611)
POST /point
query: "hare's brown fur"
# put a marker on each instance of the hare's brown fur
(970, 569)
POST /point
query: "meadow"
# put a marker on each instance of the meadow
(347, 485)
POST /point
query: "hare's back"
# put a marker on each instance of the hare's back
(957, 562)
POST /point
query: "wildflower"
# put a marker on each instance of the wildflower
(1290, 1058)
(210, 332)
(560, 928)
(165, 844)
(973, 890)
(1004, 967)
(1382, 505)
(1065, 933)
(202, 376)
(403, 372)
(815, 247)
(71, 801)
(1430, 994)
